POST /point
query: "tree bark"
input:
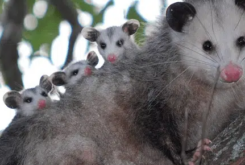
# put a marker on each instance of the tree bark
(12, 23)
(69, 13)
(229, 146)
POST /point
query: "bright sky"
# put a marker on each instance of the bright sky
(33, 70)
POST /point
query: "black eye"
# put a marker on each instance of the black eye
(44, 94)
(120, 43)
(207, 46)
(102, 45)
(240, 42)
(75, 72)
(28, 100)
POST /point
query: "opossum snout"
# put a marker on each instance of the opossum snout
(231, 73)
(41, 104)
(112, 58)
(87, 71)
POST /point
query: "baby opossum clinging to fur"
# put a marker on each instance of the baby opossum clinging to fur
(113, 42)
(30, 101)
(142, 122)
(75, 71)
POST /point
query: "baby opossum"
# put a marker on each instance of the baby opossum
(142, 122)
(75, 71)
(113, 42)
(30, 101)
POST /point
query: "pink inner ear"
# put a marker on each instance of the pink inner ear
(125, 30)
(87, 71)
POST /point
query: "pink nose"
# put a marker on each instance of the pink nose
(231, 73)
(87, 71)
(41, 104)
(112, 58)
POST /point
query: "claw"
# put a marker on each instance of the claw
(197, 154)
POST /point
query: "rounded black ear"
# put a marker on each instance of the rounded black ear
(178, 14)
(131, 26)
(58, 78)
(92, 58)
(45, 83)
(12, 99)
(90, 33)
(240, 3)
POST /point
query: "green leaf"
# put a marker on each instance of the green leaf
(97, 16)
(81, 4)
(30, 4)
(46, 30)
(133, 14)
(2, 5)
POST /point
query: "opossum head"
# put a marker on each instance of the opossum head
(210, 37)
(75, 71)
(31, 100)
(113, 41)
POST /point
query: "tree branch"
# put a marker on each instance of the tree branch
(69, 13)
(229, 146)
(12, 23)
(76, 30)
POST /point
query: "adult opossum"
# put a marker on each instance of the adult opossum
(133, 113)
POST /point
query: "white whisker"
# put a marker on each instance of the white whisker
(196, 52)
(200, 50)
(236, 97)
(205, 30)
(184, 140)
(169, 84)
(170, 62)
(239, 20)
(205, 115)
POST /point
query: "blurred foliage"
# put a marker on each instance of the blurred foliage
(86, 7)
(1, 6)
(47, 28)
(133, 14)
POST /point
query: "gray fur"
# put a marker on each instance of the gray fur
(111, 31)
(75, 71)
(27, 101)
(111, 36)
(111, 113)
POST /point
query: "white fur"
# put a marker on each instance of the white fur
(110, 41)
(111, 47)
(28, 109)
(80, 66)
(221, 31)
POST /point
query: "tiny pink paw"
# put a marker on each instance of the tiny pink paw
(197, 154)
